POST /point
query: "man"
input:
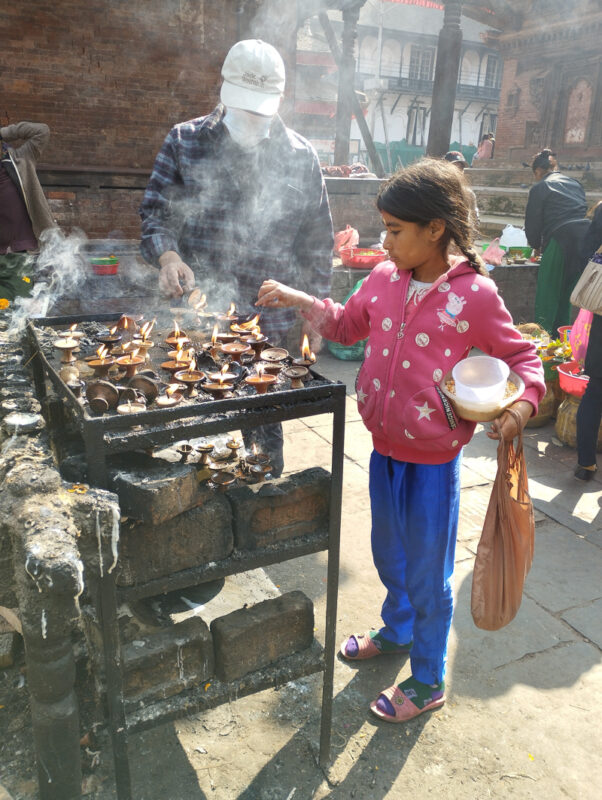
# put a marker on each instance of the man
(456, 158)
(236, 197)
(24, 211)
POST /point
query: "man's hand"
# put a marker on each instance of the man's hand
(175, 277)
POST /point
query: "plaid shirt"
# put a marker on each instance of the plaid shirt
(238, 217)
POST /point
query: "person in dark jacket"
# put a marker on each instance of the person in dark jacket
(555, 225)
(589, 413)
(24, 210)
(235, 197)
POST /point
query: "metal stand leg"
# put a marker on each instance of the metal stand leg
(114, 681)
(336, 490)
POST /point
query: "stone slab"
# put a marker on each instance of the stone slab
(198, 536)
(251, 638)
(164, 663)
(155, 491)
(289, 507)
(587, 620)
(566, 569)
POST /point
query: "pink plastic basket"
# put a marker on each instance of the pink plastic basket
(570, 380)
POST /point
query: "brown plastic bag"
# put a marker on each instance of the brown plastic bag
(505, 551)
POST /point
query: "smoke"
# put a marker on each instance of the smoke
(59, 269)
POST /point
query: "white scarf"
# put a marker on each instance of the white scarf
(245, 128)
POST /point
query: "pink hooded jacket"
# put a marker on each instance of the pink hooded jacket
(397, 386)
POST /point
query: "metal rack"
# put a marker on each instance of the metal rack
(110, 435)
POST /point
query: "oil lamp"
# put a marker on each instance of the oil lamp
(185, 451)
(130, 407)
(75, 334)
(103, 363)
(297, 375)
(177, 337)
(260, 381)
(223, 376)
(171, 397)
(66, 347)
(235, 350)
(256, 457)
(190, 377)
(110, 338)
(225, 320)
(130, 362)
(307, 357)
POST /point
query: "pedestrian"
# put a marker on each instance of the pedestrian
(485, 148)
(236, 196)
(422, 311)
(589, 413)
(24, 210)
(555, 225)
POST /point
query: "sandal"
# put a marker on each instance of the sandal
(362, 646)
(396, 705)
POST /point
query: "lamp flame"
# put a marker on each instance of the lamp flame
(102, 352)
(192, 366)
(260, 370)
(251, 324)
(214, 335)
(232, 310)
(254, 449)
(113, 331)
(176, 329)
(306, 351)
(171, 389)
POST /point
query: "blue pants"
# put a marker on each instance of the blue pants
(415, 511)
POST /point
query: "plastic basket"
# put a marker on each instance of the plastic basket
(570, 380)
(362, 257)
(108, 265)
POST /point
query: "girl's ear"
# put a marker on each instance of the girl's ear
(437, 229)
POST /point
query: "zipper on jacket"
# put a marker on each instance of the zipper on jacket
(401, 331)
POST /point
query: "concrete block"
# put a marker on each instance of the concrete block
(164, 663)
(198, 536)
(155, 491)
(293, 506)
(587, 620)
(251, 638)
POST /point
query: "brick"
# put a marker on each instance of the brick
(196, 537)
(155, 491)
(284, 509)
(168, 661)
(251, 638)
(61, 195)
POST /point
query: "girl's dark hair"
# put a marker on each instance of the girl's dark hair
(545, 160)
(433, 189)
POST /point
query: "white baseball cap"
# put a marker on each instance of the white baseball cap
(253, 74)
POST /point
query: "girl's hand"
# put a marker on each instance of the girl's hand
(505, 427)
(276, 295)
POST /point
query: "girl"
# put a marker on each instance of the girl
(423, 311)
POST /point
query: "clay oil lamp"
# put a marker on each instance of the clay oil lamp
(220, 388)
(129, 322)
(222, 479)
(142, 340)
(171, 397)
(297, 376)
(145, 385)
(256, 457)
(224, 321)
(257, 340)
(235, 350)
(307, 357)
(223, 376)
(69, 373)
(259, 471)
(185, 450)
(76, 386)
(260, 380)
(103, 363)
(190, 377)
(177, 337)
(101, 396)
(111, 338)
(75, 334)
(130, 362)
(205, 450)
(274, 355)
(213, 345)
(130, 407)
(178, 361)
(66, 348)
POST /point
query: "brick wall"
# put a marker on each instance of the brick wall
(543, 62)
(110, 78)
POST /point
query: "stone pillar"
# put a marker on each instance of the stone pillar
(48, 574)
(446, 79)
(346, 84)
